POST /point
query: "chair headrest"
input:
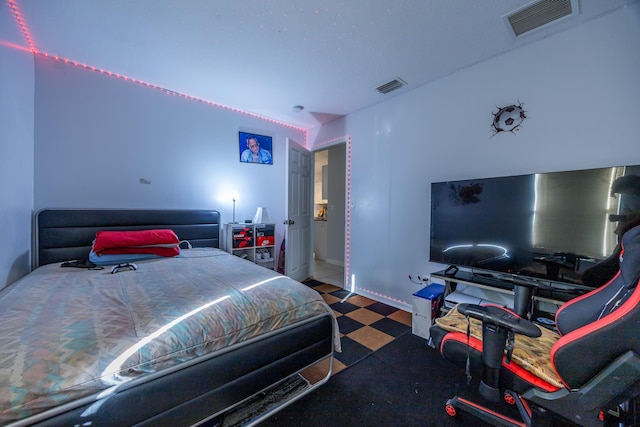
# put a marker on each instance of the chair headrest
(630, 257)
(625, 283)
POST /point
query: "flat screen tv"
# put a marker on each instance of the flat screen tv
(544, 226)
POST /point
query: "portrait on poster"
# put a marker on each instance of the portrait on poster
(255, 148)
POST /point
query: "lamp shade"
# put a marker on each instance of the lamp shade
(261, 216)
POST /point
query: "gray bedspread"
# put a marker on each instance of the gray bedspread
(67, 333)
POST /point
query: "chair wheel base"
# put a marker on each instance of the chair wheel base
(456, 404)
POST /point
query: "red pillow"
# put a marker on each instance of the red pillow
(161, 242)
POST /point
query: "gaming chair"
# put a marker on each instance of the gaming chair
(588, 372)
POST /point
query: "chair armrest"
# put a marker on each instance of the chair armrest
(500, 317)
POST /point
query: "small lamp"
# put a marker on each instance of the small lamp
(261, 216)
(234, 197)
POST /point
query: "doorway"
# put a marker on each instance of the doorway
(329, 214)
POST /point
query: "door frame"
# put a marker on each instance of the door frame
(346, 140)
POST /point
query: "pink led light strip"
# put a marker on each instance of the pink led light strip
(347, 220)
(29, 40)
(171, 92)
(17, 15)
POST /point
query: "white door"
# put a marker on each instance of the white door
(298, 256)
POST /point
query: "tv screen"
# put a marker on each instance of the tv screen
(550, 226)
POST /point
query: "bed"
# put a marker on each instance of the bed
(202, 338)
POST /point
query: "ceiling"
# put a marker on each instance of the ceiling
(265, 56)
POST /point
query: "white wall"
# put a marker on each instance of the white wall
(581, 91)
(97, 136)
(16, 153)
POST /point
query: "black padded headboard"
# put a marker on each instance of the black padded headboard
(67, 234)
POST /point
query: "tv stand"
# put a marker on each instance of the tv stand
(526, 296)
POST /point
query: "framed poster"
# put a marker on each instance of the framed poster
(255, 148)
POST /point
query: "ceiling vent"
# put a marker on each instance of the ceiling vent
(538, 14)
(394, 84)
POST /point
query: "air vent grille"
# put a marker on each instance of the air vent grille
(391, 86)
(538, 14)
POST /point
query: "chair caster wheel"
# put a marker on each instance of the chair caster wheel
(509, 399)
(451, 410)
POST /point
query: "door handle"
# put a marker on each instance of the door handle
(289, 222)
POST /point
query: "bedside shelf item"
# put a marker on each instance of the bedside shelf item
(253, 242)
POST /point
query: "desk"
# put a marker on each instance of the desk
(547, 297)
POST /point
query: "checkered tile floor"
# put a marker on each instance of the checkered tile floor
(365, 325)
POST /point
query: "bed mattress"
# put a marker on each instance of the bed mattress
(68, 333)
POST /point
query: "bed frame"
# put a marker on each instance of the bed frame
(64, 235)
(202, 390)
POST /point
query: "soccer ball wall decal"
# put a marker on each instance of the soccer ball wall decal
(508, 119)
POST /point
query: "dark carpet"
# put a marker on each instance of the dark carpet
(405, 383)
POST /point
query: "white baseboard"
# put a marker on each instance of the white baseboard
(397, 304)
(335, 262)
